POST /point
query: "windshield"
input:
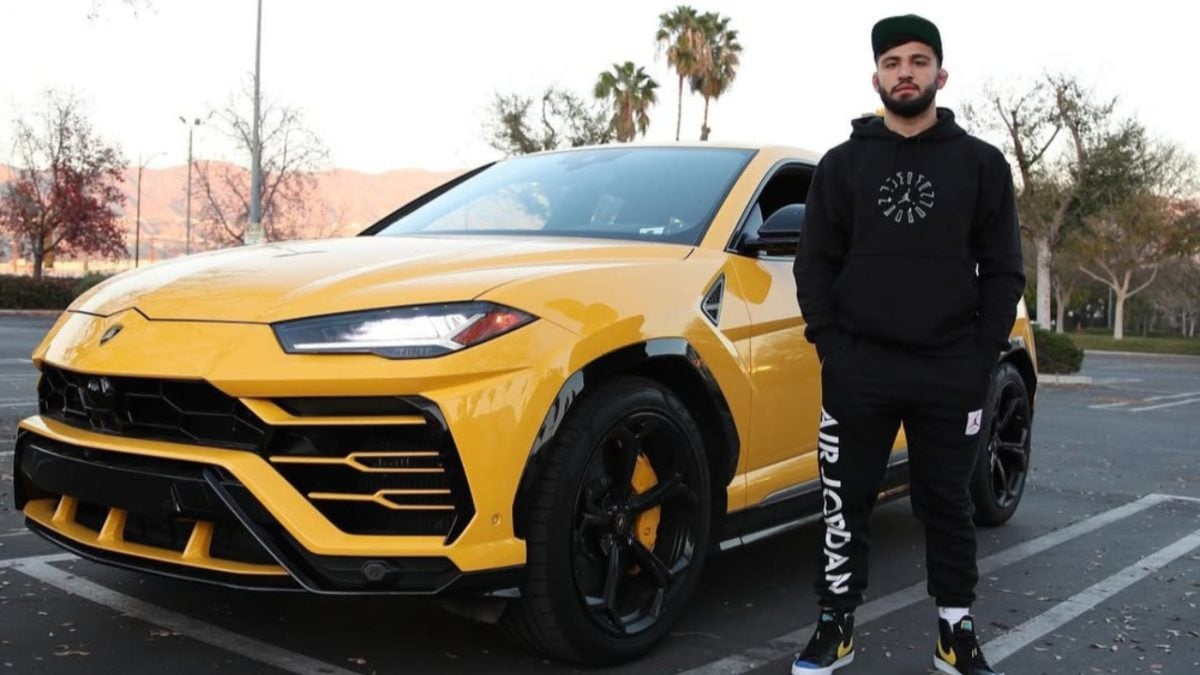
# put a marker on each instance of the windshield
(647, 194)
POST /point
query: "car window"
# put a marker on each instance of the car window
(786, 186)
(654, 194)
(521, 206)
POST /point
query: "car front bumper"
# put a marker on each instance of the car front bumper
(224, 460)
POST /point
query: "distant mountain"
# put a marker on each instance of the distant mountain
(352, 200)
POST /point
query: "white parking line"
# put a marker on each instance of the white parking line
(1151, 399)
(1013, 641)
(786, 645)
(15, 361)
(250, 648)
(1165, 405)
(1105, 406)
(52, 558)
(18, 403)
(1170, 396)
(39, 567)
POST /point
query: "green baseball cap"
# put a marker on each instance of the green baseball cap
(896, 30)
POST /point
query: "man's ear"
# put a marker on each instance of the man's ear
(941, 77)
(875, 81)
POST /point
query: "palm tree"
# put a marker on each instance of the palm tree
(631, 92)
(723, 54)
(680, 36)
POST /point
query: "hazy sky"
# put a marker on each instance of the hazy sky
(400, 84)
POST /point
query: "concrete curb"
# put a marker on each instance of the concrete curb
(52, 313)
(1105, 352)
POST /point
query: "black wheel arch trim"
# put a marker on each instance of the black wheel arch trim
(638, 358)
(1018, 355)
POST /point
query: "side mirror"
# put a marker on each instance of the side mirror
(779, 235)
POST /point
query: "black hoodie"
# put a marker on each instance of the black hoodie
(895, 230)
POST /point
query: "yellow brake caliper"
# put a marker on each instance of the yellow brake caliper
(644, 478)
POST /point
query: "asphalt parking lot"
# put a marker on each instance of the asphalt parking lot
(1098, 572)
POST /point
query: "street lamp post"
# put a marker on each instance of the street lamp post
(137, 228)
(254, 229)
(187, 246)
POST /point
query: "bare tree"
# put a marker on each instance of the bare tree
(331, 221)
(291, 154)
(1049, 127)
(563, 119)
(1066, 278)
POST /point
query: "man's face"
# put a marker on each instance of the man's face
(907, 78)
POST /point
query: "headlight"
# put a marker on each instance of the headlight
(401, 332)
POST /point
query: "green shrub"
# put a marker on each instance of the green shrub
(85, 282)
(20, 292)
(1056, 353)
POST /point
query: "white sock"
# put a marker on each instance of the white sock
(953, 615)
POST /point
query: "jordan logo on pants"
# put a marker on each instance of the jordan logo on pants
(974, 422)
(837, 574)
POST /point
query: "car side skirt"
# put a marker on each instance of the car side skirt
(796, 507)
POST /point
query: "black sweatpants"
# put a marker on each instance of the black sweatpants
(868, 391)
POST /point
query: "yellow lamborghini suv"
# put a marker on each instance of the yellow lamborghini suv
(544, 391)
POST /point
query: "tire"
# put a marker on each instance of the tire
(1002, 467)
(607, 573)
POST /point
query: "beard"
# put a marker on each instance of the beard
(909, 107)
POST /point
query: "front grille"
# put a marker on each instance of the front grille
(180, 411)
(383, 479)
(91, 515)
(191, 520)
(160, 502)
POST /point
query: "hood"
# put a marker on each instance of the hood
(873, 128)
(273, 282)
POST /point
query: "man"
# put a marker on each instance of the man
(908, 276)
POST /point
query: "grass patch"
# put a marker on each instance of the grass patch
(1145, 345)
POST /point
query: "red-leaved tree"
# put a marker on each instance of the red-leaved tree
(65, 197)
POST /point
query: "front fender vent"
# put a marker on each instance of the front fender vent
(711, 305)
